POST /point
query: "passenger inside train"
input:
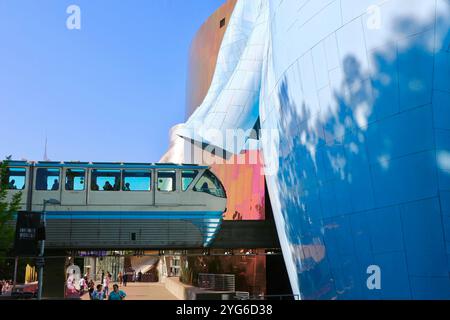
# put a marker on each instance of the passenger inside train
(108, 186)
(139, 201)
(16, 178)
(55, 185)
(108, 180)
(12, 185)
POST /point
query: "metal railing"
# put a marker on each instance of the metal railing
(241, 295)
(216, 282)
(277, 297)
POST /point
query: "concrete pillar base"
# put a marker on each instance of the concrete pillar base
(54, 276)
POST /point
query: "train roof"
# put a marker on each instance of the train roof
(106, 165)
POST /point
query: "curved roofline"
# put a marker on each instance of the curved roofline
(207, 20)
(108, 165)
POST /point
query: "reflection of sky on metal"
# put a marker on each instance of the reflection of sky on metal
(356, 109)
(361, 107)
(243, 182)
(203, 55)
(444, 160)
(233, 98)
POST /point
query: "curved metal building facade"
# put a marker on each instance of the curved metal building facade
(361, 92)
(353, 101)
(203, 55)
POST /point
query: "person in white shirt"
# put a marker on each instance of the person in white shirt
(106, 281)
(82, 283)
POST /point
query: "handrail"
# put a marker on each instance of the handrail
(216, 282)
(280, 296)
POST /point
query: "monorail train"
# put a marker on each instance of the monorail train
(121, 205)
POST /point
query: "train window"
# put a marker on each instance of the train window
(16, 178)
(166, 181)
(47, 179)
(75, 179)
(187, 176)
(105, 180)
(209, 183)
(133, 180)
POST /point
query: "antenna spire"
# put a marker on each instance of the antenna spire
(45, 150)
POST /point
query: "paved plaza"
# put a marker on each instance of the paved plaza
(144, 291)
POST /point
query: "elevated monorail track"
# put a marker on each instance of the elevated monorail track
(121, 205)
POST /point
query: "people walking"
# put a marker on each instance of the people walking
(125, 278)
(106, 282)
(98, 294)
(83, 285)
(117, 294)
(91, 288)
(6, 288)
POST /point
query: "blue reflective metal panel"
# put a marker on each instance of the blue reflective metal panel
(354, 106)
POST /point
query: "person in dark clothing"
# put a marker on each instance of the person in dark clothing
(125, 279)
(108, 186)
(55, 186)
(12, 185)
(91, 288)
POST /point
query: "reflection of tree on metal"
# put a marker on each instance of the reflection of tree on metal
(237, 216)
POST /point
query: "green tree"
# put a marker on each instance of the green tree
(8, 207)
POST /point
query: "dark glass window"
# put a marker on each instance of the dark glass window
(75, 179)
(16, 178)
(47, 179)
(222, 23)
(166, 181)
(134, 180)
(187, 176)
(209, 183)
(105, 180)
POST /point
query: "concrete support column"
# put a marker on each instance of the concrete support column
(54, 276)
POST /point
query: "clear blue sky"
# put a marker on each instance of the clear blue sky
(108, 92)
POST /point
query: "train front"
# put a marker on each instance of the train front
(210, 192)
